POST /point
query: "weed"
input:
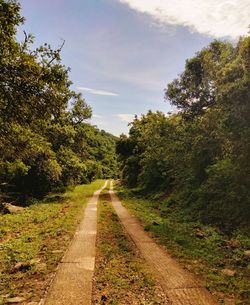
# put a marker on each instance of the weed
(121, 276)
(33, 241)
(203, 249)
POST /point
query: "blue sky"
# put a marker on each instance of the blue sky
(122, 53)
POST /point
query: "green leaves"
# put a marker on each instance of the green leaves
(200, 156)
(80, 111)
(44, 143)
(195, 89)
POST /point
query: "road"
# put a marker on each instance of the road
(73, 282)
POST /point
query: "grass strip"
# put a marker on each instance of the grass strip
(34, 241)
(121, 275)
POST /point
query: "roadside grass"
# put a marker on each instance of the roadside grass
(121, 275)
(202, 249)
(33, 242)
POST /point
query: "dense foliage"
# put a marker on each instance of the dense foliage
(199, 156)
(43, 144)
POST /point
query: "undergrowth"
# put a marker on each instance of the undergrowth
(202, 249)
(34, 240)
(121, 275)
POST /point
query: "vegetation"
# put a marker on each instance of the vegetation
(131, 282)
(198, 158)
(221, 262)
(193, 165)
(34, 241)
(45, 140)
(193, 168)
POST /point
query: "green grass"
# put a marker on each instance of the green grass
(121, 276)
(37, 238)
(206, 256)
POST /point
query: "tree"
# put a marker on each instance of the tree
(80, 111)
(200, 156)
(195, 89)
(44, 143)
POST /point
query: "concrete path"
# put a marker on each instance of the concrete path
(180, 286)
(73, 282)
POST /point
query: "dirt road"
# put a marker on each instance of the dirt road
(180, 286)
(73, 282)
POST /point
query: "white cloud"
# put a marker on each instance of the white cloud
(97, 116)
(126, 117)
(97, 91)
(217, 18)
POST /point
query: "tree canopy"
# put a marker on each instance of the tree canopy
(46, 141)
(200, 155)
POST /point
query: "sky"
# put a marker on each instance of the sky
(123, 53)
